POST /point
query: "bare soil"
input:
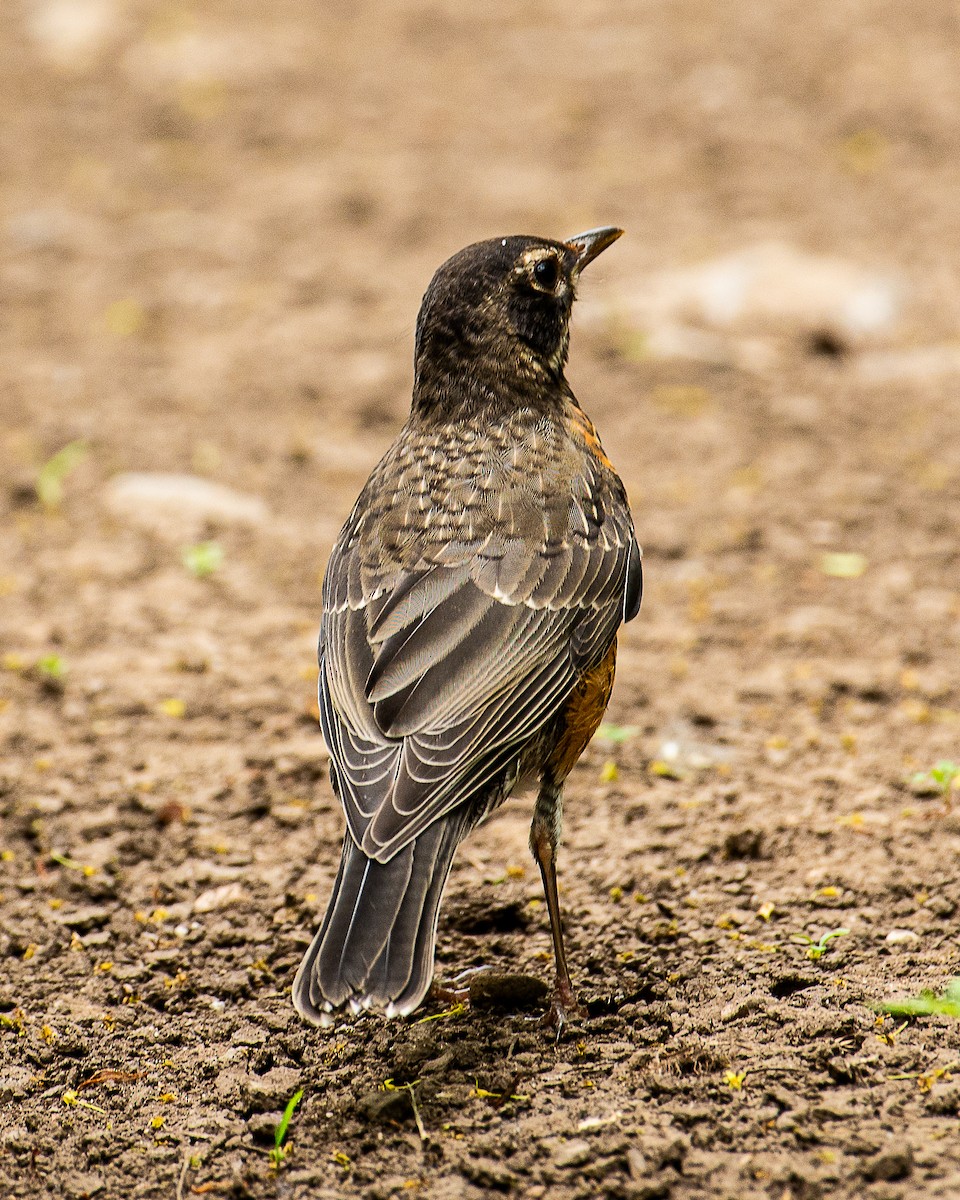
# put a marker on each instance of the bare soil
(217, 224)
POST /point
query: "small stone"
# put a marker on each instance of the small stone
(71, 33)
(921, 364)
(220, 897)
(772, 284)
(179, 505)
(289, 814)
(574, 1153)
(897, 937)
(636, 1164)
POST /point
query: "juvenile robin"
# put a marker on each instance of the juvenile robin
(470, 615)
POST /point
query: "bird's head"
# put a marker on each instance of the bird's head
(497, 315)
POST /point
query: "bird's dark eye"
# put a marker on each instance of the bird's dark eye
(546, 273)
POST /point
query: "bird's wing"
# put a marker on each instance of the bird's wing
(436, 670)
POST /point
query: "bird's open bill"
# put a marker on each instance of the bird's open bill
(588, 245)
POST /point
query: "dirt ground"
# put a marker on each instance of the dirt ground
(217, 222)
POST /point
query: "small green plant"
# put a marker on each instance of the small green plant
(50, 671)
(941, 776)
(927, 1003)
(608, 732)
(816, 950)
(52, 668)
(202, 559)
(54, 471)
(278, 1154)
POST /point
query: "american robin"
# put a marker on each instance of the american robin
(470, 615)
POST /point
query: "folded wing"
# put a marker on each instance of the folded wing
(436, 670)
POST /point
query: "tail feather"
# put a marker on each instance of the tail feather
(376, 945)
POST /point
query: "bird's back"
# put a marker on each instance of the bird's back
(470, 610)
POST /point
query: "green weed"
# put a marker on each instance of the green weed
(942, 776)
(55, 470)
(927, 1003)
(202, 559)
(816, 950)
(278, 1154)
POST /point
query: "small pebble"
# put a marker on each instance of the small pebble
(896, 936)
(573, 1153)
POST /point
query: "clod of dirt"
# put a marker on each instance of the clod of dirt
(661, 1152)
(896, 1162)
(386, 1107)
(272, 1090)
(744, 843)
(480, 917)
(15, 1083)
(487, 1173)
(83, 1184)
(419, 1047)
(263, 1126)
(742, 1006)
(82, 920)
(506, 993)
(945, 1101)
(789, 985)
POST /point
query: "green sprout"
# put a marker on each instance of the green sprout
(942, 776)
(203, 558)
(816, 950)
(54, 471)
(71, 864)
(278, 1154)
(52, 668)
(927, 1003)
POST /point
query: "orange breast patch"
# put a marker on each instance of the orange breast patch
(586, 705)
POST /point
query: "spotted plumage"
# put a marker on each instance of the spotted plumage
(470, 611)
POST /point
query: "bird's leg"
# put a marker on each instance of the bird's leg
(544, 836)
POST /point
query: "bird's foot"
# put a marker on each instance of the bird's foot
(456, 992)
(441, 994)
(564, 1009)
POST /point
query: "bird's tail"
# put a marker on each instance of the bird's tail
(375, 946)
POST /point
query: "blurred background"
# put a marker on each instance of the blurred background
(216, 223)
(218, 220)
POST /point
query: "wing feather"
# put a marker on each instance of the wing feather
(441, 658)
